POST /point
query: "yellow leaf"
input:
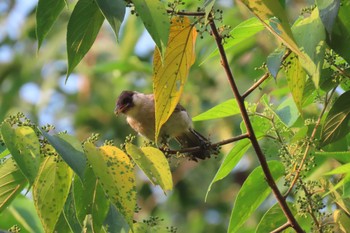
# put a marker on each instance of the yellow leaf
(296, 78)
(170, 75)
(115, 172)
(153, 163)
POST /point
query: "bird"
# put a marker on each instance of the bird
(140, 115)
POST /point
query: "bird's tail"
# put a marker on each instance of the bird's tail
(194, 139)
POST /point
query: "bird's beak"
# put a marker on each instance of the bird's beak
(120, 108)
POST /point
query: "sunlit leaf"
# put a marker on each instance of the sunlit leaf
(46, 15)
(342, 220)
(71, 151)
(156, 21)
(336, 124)
(116, 175)
(114, 12)
(83, 27)
(171, 74)
(225, 109)
(50, 190)
(342, 156)
(274, 18)
(310, 35)
(12, 182)
(296, 78)
(153, 163)
(253, 192)
(24, 146)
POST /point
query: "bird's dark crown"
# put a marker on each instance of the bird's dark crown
(125, 101)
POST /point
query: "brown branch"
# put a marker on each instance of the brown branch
(263, 78)
(213, 146)
(281, 228)
(240, 100)
(184, 13)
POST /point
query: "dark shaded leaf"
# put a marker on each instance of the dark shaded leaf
(71, 151)
(336, 124)
(114, 12)
(83, 27)
(46, 15)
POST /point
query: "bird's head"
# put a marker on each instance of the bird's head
(124, 102)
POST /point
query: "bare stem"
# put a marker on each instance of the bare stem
(240, 100)
(281, 228)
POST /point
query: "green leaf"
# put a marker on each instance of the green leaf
(116, 175)
(24, 146)
(46, 15)
(50, 190)
(156, 21)
(114, 12)
(339, 40)
(83, 27)
(272, 219)
(310, 36)
(287, 112)
(242, 32)
(230, 161)
(70, 149)
(68, 218)
(253, 192)
(328, 12)
(342, 156)
(296, 78)
(225, 109)
(339, 170)
(336, 124)
(274, 61)
(89, 199)
(22, 213)
(12, 182)
(153, 163)
(208, 6)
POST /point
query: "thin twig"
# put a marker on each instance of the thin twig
(269, 178)
(281, 228)
(263, 78)
(184, 13)
(256, 85)
(213, 146)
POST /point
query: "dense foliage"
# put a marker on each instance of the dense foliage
(267, 81)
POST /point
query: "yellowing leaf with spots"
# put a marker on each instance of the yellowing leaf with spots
(153, 163)
(296, 78)
(169, 76)
(115, 172)
(51, 189)
(24, 146)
